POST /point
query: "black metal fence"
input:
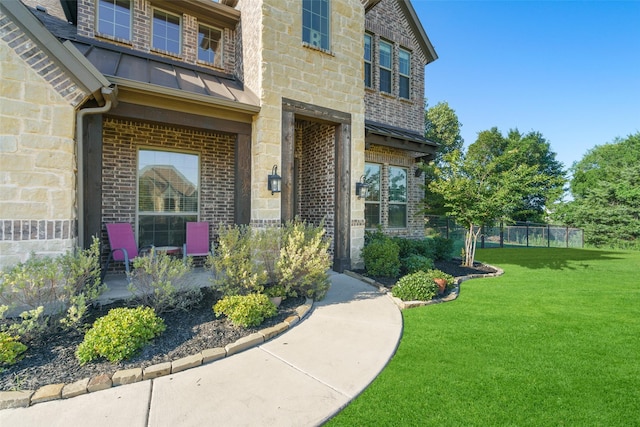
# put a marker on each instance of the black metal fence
(519, 234)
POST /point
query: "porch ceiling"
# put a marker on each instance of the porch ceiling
(390, 136)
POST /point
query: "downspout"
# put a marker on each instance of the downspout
(109, 94)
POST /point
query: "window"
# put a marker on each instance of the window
(166, 32)
(210, 45)
(372, 202)
(397, 197)
(404, 63)
(167, 196)
(367, 60)
(315, 23)
(114, 18)
(385, 67)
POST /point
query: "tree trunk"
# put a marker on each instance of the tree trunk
(470, 243)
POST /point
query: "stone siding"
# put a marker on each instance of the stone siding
(37, 150)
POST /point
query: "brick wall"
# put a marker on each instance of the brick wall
(121, 141)
(37, 163)
(385, 21)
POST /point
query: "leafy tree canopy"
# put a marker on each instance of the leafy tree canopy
(606, 191)
(442, 126)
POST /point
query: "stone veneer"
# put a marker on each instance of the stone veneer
(37, 150)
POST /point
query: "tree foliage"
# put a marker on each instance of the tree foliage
(487, 184)
(442, 126)
(606, 194)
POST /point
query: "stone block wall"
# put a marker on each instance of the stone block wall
(121, 141)
(37, 150)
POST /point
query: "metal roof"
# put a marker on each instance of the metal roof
(399, 138)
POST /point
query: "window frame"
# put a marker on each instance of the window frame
(113, 21)
(368, 72)
(309, 26)
(382, 67)
(218, 55)
(164, 213)
(369, 200)
(166, 38)
(391, 202)
(402, 76)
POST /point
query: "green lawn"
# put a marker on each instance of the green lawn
(554, 341)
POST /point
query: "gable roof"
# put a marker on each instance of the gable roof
(418, 29)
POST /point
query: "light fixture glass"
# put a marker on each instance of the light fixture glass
(362, 188)
(274, 180)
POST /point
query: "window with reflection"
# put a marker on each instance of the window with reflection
(315, 23)
(397, 197)
(367, 60)
(404, 80)
(166, 31)
(168, 196)
(372, 176)
(210, 45)
(385, 66)
(114, 18)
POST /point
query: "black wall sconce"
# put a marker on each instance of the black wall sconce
(362, 188)
(274, 180)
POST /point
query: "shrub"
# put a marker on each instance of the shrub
(55, 291)
(304, 260)
(438, 274)
(245, 310)
(120, 334)
(266, 244)
(417, 286)
(11, 350)
(443, 248)
(381, 258)
(237, 273)
(414, 263)
(158, 282)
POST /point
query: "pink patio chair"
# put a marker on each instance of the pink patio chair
(123, 244)
(197, 240)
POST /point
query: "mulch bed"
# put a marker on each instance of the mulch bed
(52, 360)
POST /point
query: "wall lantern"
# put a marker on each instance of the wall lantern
(362, 188)
(274, 180)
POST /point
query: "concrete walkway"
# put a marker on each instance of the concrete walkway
(300, 378)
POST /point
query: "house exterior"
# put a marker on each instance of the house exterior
(156, 113)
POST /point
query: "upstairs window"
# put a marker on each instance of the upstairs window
(114, 18)
(367, 61)
(166, 32)
(372, 174)
(315, 23)
(385, 67)
(404, 65)
(210, 45)
(397, 197)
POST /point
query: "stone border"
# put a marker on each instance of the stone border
(26, 398)
(452, 295)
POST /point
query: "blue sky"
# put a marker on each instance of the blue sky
(568, 69)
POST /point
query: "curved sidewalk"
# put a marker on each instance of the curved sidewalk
(300, 378)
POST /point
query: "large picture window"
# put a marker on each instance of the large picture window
(315, 23)
(385, 67)
(397, 197)
(404, 66)
(367, 61)
(210, 45)
(166, 32)
(372, 175)
(114, 18)
(168, 193)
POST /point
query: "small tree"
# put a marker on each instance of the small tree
(482, 187)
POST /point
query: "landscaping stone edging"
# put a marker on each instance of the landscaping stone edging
(411, 304)
(26, 398)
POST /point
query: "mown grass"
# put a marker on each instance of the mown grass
(554, 341)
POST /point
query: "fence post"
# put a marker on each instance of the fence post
(502, 234)
(527, 233)
(548, 236)
(447, 227)
(566, 237)
(482, 237)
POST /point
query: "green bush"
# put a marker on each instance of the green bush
(438, 274)
(304, 260)
(235, 268)
(414, 263)
(422, 247)
(11, 350)
(120, 334)
(55, 291)
(381, 257)
(443, 248)
(245, 310)
(418, 286)
(158, 281)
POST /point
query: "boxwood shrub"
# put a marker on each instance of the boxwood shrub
(245, 310)
(418, 286)
(381, 257)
